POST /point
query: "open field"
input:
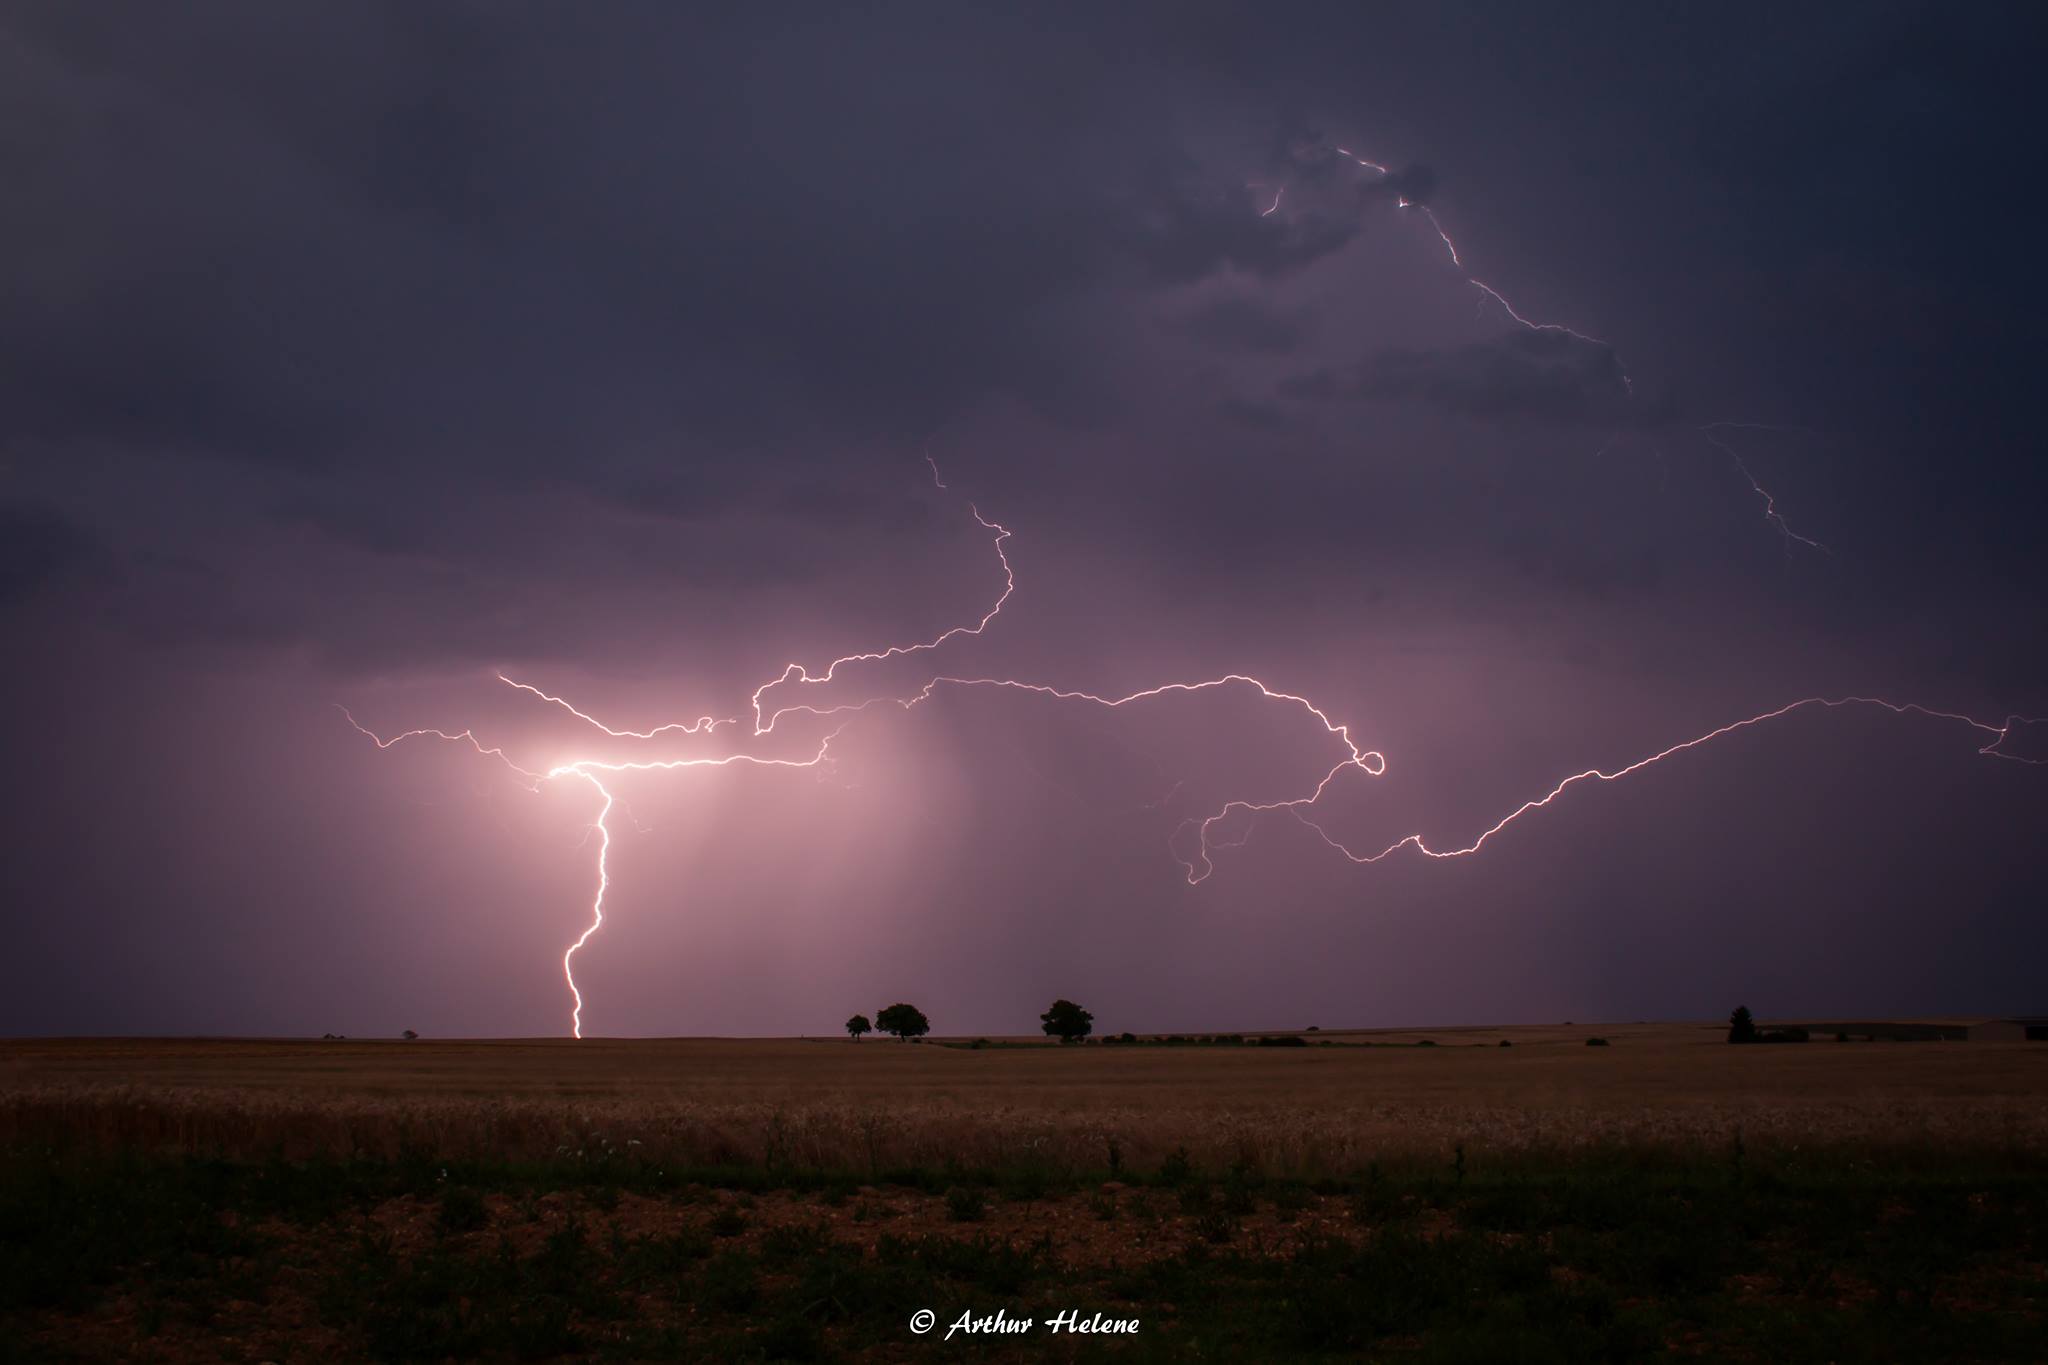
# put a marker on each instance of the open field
(1666, 1195)
(832, 1103)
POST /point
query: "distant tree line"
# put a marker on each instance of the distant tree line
(1072, 1025)
(1066, 1021)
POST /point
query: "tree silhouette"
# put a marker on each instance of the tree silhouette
(1741, 1027)
(905, 1021)
(858, 1025)
(1067, 1021)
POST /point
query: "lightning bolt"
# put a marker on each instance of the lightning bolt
(1198, 865)
(1451, 249)
(604, 882)
(1771, 513)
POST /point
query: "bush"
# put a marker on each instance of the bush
(1596, 1042)
(966, 1204)
(1287, 1040)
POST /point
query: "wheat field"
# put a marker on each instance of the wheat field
(829, 1104)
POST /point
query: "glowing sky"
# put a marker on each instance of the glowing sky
(357, 355)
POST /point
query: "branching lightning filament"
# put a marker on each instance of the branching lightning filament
(1196, 839)
(1198, 835)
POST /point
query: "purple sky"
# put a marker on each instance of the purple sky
(355, 354)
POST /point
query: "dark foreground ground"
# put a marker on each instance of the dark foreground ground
(1617, 1256)
(1419, 1199)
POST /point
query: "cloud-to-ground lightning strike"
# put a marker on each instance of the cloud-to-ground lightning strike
(1196, 863)
(1195, 839)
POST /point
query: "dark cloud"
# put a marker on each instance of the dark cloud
(1236, 323)
(1544, 374)
(1251, 412)
(40, 546)
(349, 351)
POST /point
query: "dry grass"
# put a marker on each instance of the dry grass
(879, 1105)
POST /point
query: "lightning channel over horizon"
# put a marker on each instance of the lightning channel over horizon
(1196, 838)
(1197, 834)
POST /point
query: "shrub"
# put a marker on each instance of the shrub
(1596, 1042)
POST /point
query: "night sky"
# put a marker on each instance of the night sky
(353, 354)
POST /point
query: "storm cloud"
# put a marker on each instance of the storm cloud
(1542, 374)
(352, 354)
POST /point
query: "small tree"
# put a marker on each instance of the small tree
(1741, 1026)
(408, 1035)
(904, 1021)
(858, 1025)
(1067, 1022)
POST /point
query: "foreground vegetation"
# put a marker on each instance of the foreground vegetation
(1662, 1195)
(1597, 1255)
